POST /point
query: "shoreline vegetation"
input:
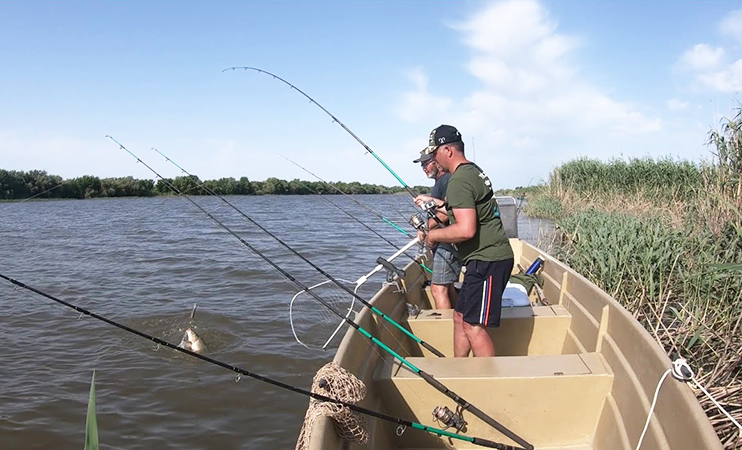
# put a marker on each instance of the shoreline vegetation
(38, 184)
(664, 238)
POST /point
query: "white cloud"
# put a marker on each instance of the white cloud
(701, 57)
(675, 104)
(731, 26)
(727, 80)
(530, 100)
(418, 104)
(712, 68)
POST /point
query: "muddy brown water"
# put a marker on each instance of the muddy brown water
(144, 262)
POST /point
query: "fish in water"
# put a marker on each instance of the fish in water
(191, 341)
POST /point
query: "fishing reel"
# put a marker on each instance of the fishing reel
(413, 311)
(418, 223)
(429, 206)
(450, 418)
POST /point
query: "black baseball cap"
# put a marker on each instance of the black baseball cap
(441, 135)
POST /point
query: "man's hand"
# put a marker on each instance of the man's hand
(425, 239)
(421, 199)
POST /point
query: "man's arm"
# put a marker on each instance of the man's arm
(464, 229)
(442, 216)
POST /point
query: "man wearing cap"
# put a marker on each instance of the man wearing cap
(482, 245)
(446, 267)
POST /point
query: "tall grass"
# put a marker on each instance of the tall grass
(671, 179)
(664, 238)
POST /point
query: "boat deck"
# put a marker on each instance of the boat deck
(578, 374)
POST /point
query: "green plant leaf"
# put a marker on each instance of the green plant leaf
(695, 337)
(725, 266)
(91, 423)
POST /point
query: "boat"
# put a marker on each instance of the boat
(573, 371)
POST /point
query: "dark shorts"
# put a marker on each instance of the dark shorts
(480, 299)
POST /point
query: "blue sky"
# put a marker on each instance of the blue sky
(529, 84)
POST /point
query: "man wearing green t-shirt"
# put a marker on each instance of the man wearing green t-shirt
(482, 244)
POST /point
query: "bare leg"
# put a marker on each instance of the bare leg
(461, 345)
(440, 296)
(480, 341)
(452, 296)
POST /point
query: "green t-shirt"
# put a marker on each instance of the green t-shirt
(470, 188)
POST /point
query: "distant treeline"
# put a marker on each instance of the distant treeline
(17, 185)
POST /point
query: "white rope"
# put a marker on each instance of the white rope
(651, 408)
(717, 404)
(681, 371)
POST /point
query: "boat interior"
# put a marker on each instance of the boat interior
(574, 372)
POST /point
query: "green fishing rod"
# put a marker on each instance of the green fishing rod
(465, 405)
(361, 204)
(335, 119)
(302, 257)
(347, 213)
(364, 206)
(387, 221)
(239, 371)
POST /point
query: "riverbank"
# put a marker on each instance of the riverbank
(20, 185)
(664, 238)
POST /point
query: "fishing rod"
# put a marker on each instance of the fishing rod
(302, 257)
(335, 119)
(402, 422)
(465, 405)
(34, 196)
(428, 207)
(323, 197)
(417, 225)
(363, 205)
(402, 250)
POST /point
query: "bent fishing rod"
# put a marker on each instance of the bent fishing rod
(297, 254)
(335, 119)
(428, 211)
(239, 371)
(465, 405)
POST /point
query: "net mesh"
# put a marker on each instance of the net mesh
(314, 325)
(335, 382)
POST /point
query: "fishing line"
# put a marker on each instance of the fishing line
(363, 205)
(422, 374)
(366, 207)
(335, 119)
(279, 384)
(299, 255)
(423, 266)
(34, 196)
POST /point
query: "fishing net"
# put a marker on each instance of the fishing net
(313, 324)
(335, 382)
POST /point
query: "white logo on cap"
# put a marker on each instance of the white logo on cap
(441, 139)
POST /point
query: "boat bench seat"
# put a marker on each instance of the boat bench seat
(526, 330)
(548, 400)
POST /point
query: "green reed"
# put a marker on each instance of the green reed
(670, 178)
(664, 238)
(684, 286)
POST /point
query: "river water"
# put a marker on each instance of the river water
(144, 262)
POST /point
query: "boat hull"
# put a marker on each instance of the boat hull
(579, 373)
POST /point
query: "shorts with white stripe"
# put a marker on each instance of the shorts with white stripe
(480, 299)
